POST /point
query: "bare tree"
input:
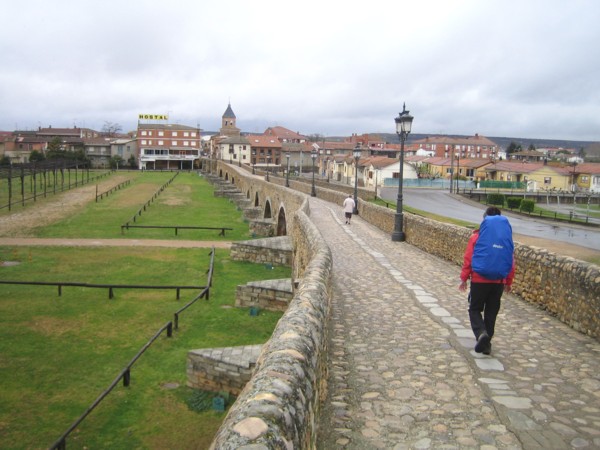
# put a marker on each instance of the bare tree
(111, 129)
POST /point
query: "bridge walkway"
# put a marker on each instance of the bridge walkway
(403, 373)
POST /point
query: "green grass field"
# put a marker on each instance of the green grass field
(59, 353)
(187, 201)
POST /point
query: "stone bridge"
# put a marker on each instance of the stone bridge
(284, 402)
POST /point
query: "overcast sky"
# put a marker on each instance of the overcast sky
(515, 68)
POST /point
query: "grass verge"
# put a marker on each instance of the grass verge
(57, 354)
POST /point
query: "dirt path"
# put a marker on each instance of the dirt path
(112, 243)
(53, 209)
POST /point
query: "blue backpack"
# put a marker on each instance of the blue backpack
(493, 252)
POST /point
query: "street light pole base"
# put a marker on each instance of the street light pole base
(398, 236)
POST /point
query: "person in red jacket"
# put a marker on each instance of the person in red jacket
(485, 294)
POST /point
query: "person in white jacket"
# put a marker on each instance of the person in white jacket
(348, 208)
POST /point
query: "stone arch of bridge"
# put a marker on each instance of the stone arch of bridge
(267, 211)
(281, 222)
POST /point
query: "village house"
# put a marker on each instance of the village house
(466, 147)
(293, 143)
(98, 150)
(534, 175)
(265, 151)
(17, 146)
(382, 171)
(126, 150)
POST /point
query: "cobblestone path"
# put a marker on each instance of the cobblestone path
(403, 374)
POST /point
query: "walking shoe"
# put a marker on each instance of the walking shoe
(488, 349)
(483, 341)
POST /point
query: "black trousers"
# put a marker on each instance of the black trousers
(484, 305)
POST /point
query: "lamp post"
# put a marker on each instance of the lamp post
(268, 160)
(403, 126)
(253, 162)
(287, 173)
(356, 154)
(457, 171)
(452, 169)
(240, 157)
(313, 155)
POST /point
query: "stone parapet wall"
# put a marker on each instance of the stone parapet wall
(566, 287)
(279, 407)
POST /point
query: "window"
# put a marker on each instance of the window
(186, 143)
(150, 142)
(193, 143)
(144, 142)
(144, 133)
(584, 178)
(193, 134)
(161, 133)
(161, 142)
(186, 134)
(174, 134)
(547, 180)
(174, 143)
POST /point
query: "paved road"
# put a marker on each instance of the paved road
(442, 203)
(403, 374)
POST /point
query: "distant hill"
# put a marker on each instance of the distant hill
(503, 142)
(590, 147)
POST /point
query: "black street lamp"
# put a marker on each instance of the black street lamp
(356, 153)
(240, 157)
(452, 170)
(457, 171)
(313, 155)
(287, 173)
(268, 160)
(403, 126)
(253, 162)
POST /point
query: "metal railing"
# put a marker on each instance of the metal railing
(127, 226)
(125, 374)
(111, 190)
(110, 287)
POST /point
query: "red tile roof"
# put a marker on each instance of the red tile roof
(261, 140)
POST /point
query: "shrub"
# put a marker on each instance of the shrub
(527, 205)
(513, 202)
(495, 199)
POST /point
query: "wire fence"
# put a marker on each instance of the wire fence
(21, 183)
